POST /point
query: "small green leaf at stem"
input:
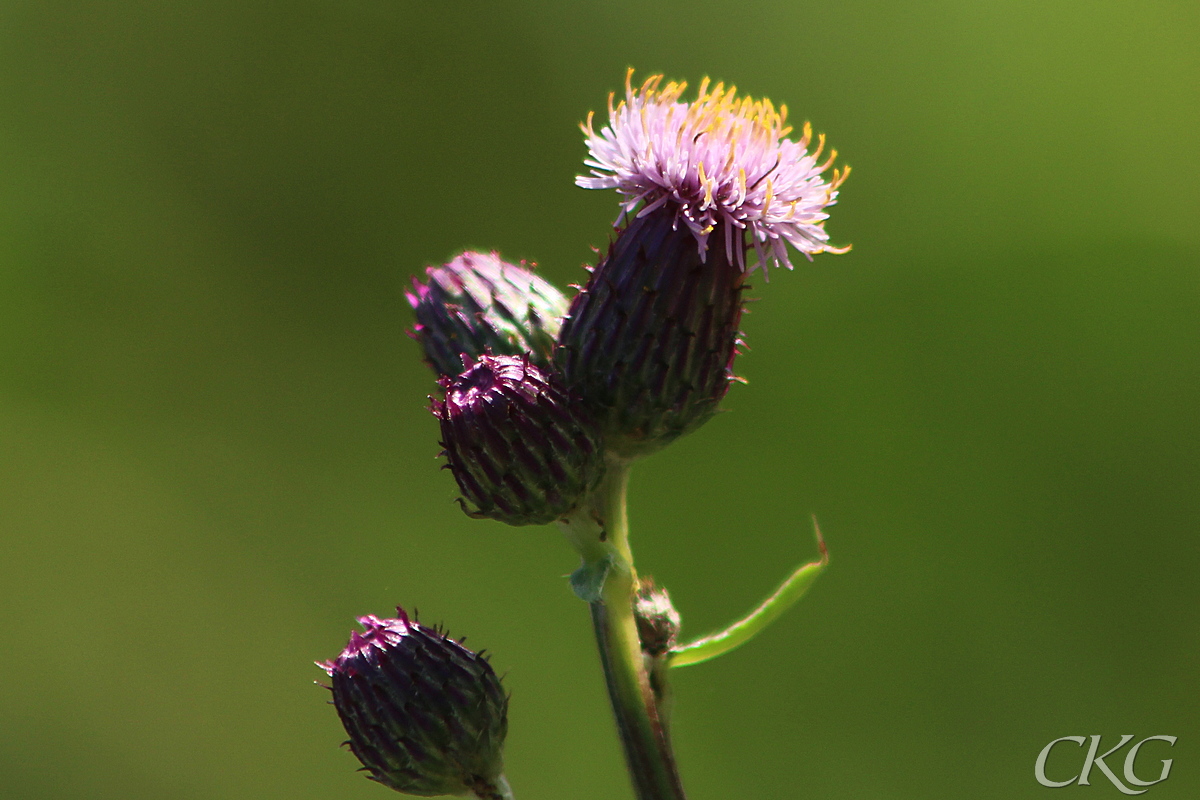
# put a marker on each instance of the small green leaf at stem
(747, 628)
(588, 581)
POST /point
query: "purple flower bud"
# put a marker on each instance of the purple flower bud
(519, 449)
(425, 715)
(648, 344)
(479, 304)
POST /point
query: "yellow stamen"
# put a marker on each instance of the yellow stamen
(732, 156)
(820, 147)
(832, 156)
(706, 183)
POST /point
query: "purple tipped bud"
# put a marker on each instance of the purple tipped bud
(479, 304)
(520, 451)
(648, 344)
(425, 715)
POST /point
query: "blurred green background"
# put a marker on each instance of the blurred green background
(215, 453)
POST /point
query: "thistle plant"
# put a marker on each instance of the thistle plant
(545, 406)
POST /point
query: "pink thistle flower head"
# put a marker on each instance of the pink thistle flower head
(722, 162)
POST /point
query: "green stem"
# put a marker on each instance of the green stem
(601, 533)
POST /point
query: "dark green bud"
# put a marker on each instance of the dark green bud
(658, 626)
(657, 620)
(425, 715)
(521, 452)
(648, 344)
(478, 304)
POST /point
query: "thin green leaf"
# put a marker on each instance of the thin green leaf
(747, 628)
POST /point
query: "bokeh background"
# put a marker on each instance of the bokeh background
(215, 453)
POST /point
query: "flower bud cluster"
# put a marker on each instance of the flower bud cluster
(538, 392)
